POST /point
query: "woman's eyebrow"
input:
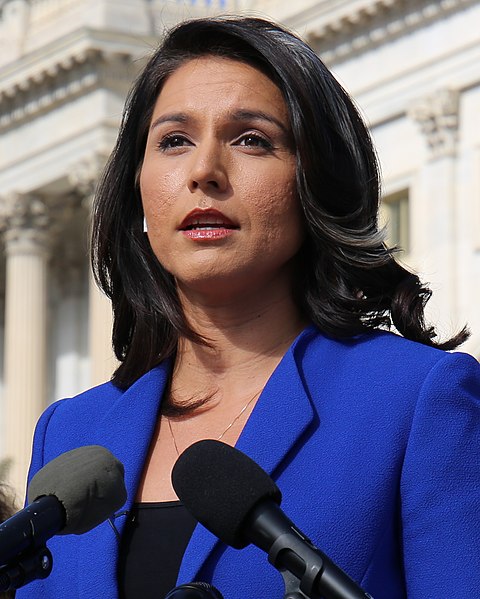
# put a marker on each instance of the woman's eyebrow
(256, 115)
(237, 115)
(172, 117)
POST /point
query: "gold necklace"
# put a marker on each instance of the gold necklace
(224, 432)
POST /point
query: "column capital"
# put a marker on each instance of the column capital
(68, 269)
(438, 117)
(26, 222)
(84, 176)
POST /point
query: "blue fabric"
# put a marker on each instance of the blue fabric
(374, 442)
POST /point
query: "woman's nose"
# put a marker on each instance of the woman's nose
(208, 170)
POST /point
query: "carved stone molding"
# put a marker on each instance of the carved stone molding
(68, 270)
(69, 254)
(31, 223)
(438, 116)
(370, 23)
(84, 177)
(66, 77)
(26, 222)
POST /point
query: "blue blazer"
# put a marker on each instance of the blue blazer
(374, 442)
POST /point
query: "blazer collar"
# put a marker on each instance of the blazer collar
(126, 430)
(281, 416)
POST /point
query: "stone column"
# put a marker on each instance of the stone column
(26, 245)
(102, 358)
(437, 116)
(70, 319)
(84, 178)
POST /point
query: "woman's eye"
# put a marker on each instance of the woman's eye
(255, 141)
(173, 141)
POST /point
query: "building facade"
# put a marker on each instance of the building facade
(65, 69)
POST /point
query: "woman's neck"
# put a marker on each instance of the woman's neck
(245, 343)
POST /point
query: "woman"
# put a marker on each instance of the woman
(235, 231)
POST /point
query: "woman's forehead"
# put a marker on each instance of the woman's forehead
(217, 84)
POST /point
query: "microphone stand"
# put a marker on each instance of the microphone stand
(307, 572)
(32, 564)
(292, 586)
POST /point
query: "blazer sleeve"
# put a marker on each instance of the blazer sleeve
(34, 590)
(39, 440)
(440, 485)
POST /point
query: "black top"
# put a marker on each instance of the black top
(153, 543)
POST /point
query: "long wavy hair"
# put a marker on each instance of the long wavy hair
(348, 281)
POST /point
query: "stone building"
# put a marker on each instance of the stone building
(413, 67)
(65, 68)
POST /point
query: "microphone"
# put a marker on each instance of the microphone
(195, 590)
(70, 495)
(238, 502)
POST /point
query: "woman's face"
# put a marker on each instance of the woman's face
(218, 179)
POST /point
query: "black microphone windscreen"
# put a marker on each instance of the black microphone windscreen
(220, 485)
(88, 481)
(195, 590)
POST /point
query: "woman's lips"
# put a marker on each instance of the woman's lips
(208, 224)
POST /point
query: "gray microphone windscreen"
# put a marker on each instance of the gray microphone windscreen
(88, 481)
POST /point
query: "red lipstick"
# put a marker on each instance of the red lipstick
(206, 225)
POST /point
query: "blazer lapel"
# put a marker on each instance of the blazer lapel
(126, 430)
(281, 416)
